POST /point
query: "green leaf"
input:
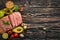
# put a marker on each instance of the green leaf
(16, 8)
(6, 23)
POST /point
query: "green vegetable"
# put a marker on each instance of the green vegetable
(11, 11)
(15, 8)
(1, 14)
(6, 23)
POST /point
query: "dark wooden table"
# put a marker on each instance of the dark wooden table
(43, 16)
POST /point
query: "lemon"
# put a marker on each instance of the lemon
(1, 14)
(5, 35)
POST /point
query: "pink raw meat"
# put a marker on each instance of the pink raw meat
(19, 18)
(11, 17)
(4, 26)
(15, 19)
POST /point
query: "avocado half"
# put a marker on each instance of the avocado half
(18, 29)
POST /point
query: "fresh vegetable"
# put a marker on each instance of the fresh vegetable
(5, 9)
(10, 11)
(19, 29)
(9, 31)
(16, 35)
(12, 36)
(15, 8)
(1, 14)
(5, 35)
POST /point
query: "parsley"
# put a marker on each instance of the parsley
(6, 23)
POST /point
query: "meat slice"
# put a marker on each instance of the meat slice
(19, 18)
(1, 29)
(9, 22)
(15, 19)
(3, 23)
(11, 17)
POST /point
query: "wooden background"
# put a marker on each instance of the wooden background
(43, 14)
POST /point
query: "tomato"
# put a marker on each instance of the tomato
(9, 31)
(16, 34)
(12, 36)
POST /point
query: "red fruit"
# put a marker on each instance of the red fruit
(10, 32)
(12, 36)
(16, 34)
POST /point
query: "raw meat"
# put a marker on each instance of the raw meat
(13, 19)
(3, 25)
(16, 19)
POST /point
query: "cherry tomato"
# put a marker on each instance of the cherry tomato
(9, 31)
(16, 34)
(12, 36)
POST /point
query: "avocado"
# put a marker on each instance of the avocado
(18, 29)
